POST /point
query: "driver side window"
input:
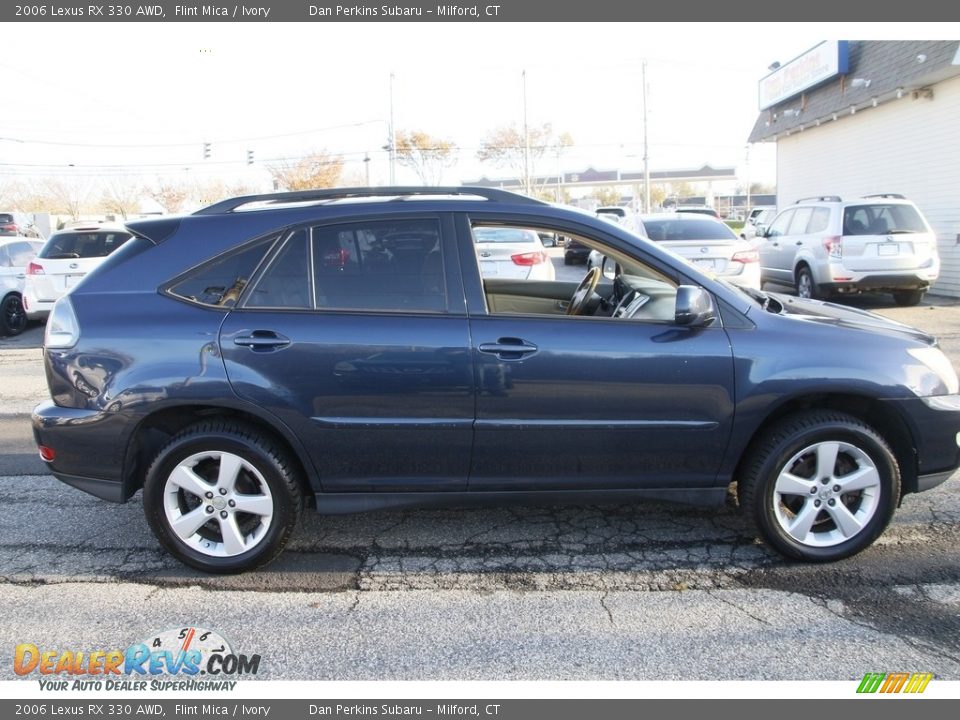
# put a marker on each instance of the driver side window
(529, 270)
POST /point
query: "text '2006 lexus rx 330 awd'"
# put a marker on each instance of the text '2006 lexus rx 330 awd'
(342, 349)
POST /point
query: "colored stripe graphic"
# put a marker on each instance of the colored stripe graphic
(895, 682)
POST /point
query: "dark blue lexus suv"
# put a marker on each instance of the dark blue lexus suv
(348, 350)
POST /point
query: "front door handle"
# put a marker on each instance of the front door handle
(507, 348)
(262, 340)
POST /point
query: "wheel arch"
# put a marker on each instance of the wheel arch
(881, 416)
(155, 430)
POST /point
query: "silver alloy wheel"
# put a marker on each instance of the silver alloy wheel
(805, 285)
(218, 504)
(826, 494)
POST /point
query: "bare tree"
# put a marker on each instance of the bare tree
(319, 169)
(425, 154)
(211, 191)
(67, 195)
(606, 195)
(170, 196)
(121, 197)
(506, 147)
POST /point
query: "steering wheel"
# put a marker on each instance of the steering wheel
(584, 292)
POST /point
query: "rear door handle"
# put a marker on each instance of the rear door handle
(262, 340)
(509, 348)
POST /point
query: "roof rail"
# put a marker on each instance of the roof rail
(896, 196)
(277, 198)
(820, 198)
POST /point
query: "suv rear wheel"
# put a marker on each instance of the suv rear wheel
(806, 287)
(907, 298)
(222, 498)
(820, 486)
(13, 318)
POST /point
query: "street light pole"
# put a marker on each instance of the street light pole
(526, 139)
(746, 171)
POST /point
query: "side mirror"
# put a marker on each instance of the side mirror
(695, 307)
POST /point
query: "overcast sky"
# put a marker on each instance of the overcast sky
(142, 98)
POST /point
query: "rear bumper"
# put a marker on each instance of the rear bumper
(89, 448)
(36, 309)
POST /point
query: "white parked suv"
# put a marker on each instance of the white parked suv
(64, 260)
(825, 245)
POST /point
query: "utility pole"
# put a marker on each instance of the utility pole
(746, 171)
(526, 140)
(646, 154)
(393, 139)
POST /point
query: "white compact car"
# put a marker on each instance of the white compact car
(63, 261)
(707, 243)
(15, 254)
(512, 253)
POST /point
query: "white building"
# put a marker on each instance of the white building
(863, 117)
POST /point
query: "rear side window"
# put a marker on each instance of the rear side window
(19, 254)
(286, 282)
(83, 244)
(383, 265)
(818, 220)
(220, 282)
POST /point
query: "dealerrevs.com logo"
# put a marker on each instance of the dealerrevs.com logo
(200, 659)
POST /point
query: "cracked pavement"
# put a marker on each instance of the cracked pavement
(641, 592)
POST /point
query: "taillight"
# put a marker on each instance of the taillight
(530, 258)
(63, 330)
(9, 228)
(746, 256)
(47, 453)
(834, 246)
(35, 269)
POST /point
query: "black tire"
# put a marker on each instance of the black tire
(766, 488)
(805, 286)
(567, 260)
(13, 318)
(263, 467)
(908, 298)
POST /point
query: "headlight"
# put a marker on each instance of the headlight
(944, 380)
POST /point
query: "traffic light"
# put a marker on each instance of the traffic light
(206, 151)
(249, 157)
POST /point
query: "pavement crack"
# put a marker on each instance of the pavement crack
(603, 604)
(736, 606)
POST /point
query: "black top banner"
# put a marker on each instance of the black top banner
(734, 11)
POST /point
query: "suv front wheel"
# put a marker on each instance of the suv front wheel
(820, 486)
(222, 498)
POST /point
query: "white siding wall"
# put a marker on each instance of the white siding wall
(905, 146)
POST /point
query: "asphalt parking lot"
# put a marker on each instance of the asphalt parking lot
(637, 592)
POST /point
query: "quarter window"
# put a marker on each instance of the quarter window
(221, 282)
(286, 282)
